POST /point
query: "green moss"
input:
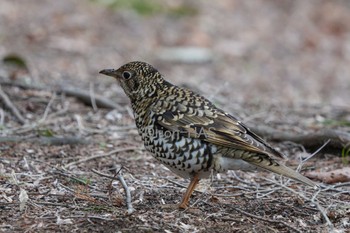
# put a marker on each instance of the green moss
(331, 122)
(149, 8)
(345, 154)
(45, 132)
(141, 7)
(80, 180)
(15, 61)
(183, 10)
(102, 145)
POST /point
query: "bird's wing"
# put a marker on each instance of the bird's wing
(197, 117)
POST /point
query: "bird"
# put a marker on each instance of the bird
(190, 135)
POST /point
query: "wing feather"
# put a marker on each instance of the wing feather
(207, 122)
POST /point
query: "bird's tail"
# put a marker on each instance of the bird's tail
(270, 164)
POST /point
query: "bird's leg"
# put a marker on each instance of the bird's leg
(189, 191)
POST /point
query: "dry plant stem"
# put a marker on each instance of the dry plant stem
(318, 150)
(53, 204)
(266, 220)
(92, 97)
(103, 174)
(2, 116)
(70, 176)
(312, 140)
(243, 181)
(53, 141)
(341, 185)
(127, 192)
(8, 103)
(85, 97)
(32, 125)
(48, 141)
(83, 129)
(82, 95)
(126, 188)
(47, 109)
(312, 200)
(247, 192)
(321, 209)
(99, 218)
(176, 183)
(334, 189)
(83, 160)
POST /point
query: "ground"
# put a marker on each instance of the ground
(279, 66)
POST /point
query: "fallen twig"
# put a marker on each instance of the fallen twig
(126, 188)
(301, 164)
(85, 97)
(127, 192)
(8, 103)
(83, 129)
(47, 109)
(266, 220)
(342, 185)
(61, 172)
(178, 184)
(103, 174)
(312, 200)
(102, 155)
(2, 116)
(92, 97)
(82, 95)
(48, 141)
(53, 204)
(311, 140)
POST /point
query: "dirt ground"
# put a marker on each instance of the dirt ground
(282, 67)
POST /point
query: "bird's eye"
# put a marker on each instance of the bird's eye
(126, 75)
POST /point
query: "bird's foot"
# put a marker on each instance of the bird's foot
(183, 206)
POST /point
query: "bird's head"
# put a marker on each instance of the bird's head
(138, 79)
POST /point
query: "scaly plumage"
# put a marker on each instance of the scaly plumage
(189, 134)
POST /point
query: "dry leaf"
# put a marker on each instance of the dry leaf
(23, 198)
(330, 177)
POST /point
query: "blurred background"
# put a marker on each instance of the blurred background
(287, 52)
(281, 66)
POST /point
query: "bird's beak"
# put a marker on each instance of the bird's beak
(110, 72)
